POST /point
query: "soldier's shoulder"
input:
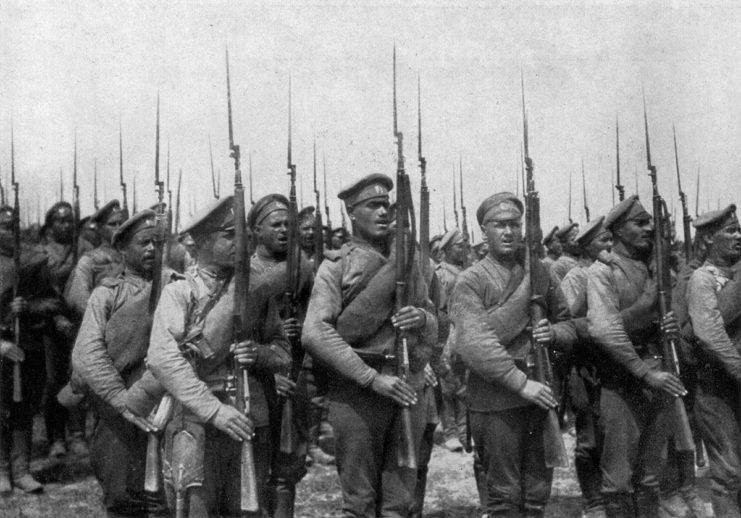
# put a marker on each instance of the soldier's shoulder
(332, 255)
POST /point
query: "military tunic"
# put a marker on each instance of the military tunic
(109, 356)
(364, 422)
(101, 263)
(561, 267)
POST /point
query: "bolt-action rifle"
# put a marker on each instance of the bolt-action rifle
(681, 426)
(538, 359)
(318, 227)
(17, 392)
(75, 208)
(326, 194)
(424, 194)
(686, 218)
(405, 248)
(240, 388)
(213, 173)
(620, 188)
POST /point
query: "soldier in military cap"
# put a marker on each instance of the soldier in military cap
(306, 224)
(338, 238)
(348, 330)
(569, 256)
(553, 247)
(36, 306)
(109, 357)
(583, 386)
(622, 318)
(717, 349)
(490, 308)
(193, 321)
(453, 246)
(89, 236)
(435, 254)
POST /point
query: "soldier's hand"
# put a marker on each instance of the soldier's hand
(409, 318)
(540, 394)
(140, 422)
(233, 423)
(18, 306)
(245, 353)
(11, 351)
(670, 326)
(292, 328)
(284, 386)
(543, 332)
(666, 382)
(394, 388)
(430, 378)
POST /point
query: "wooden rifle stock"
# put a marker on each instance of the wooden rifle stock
(153, 466)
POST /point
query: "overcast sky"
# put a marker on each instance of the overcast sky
(84, 66)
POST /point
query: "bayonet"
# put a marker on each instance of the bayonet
(213, 174)
(464, 222)
(176, 224)
(318, 227)
(96, 201)
(125, 208)
(169, 208)
(326, 193)
(686, 218)
(252, 200)
(159, 254)
(75, 206)
(584, 190)
(455, 203)
(620, 188)
(570, 220)
(697, 193)
(61, 185)
(133, 195)
(424, 193)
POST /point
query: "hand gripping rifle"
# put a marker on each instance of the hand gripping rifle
(318, 227)
(686, 218)
(240, 388)
(538, 359)
(424, 194)
(682, 432)
(405, 245)
(290, 309)
(17, 392)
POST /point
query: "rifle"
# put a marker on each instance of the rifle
(538, 358)
(168, 228)
(290, 309)
(213, 174)
(405, 245)
(584, 191)
(686, 218)
(318, 228)
(620, 188)
(455, 203)
(252, 201)
(133, 201)
(464, 222)
(96, 202)
(75, 208)
(445, 219)
(697, 194)
(241, 389)
(682, 432)
(326, 193)
(176, 224)
(424, 194)
(153, 466)
(125, 208)
(17, 392)
(570, 220)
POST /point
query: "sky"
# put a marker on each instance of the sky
(84, 67)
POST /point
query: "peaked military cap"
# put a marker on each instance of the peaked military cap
(104, 213)
(564, 230)
(451, 237)
(217, 215)
(264, 207)
(306, 212)
(591, 230)
(499, 202)
(630, 207)
(374, 185)
(711, 221)
(550, 235)
(146, 218)
(156, 207)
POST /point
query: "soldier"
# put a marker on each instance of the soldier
(453, 246)
(583, 386)
(101, 263)
(339, 237)
(717, 349)
(109, 357)
(36, 306)
(622, 320)
(435, 248)
(490, 310)
(89, 236)
(569, 257)
(57, 245)
(348, 329)
(194, 316)
(553, 247)
(306, 231)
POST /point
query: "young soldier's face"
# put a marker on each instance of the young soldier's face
(139, 253)
(114, 221)
(637, 233)
(602, 243)
(272, 233)
(371, 219)
(726, 242)
(504, 235)
(222, 251)
(306, 232)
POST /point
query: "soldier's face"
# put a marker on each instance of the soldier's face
(110, 227)
(140, 251)
(504, 235)
(222, 251)
(555, 247)
(90, 233)
(62, 224)
(456, 253)
(272, 233)
(371, 219)
(7, 244)
(726, 242)
(602, 243)
(569, 241)
(306, 232)
(637, 233)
